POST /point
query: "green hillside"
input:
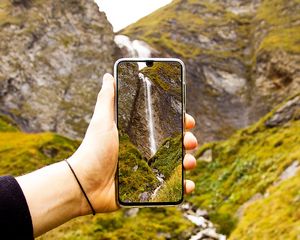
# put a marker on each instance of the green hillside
(23, 152)
(249, 163)
(133, 183)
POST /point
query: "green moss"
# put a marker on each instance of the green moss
(286, 39)
(247, 163)
(168, 156)
(171, 191)
(275, 217)
(133, 182)
(146, 30)
(22, 152)
(163, 73)
(279, 18)
(7, 124)
(147, 224)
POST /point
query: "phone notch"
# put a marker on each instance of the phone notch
(149, 63)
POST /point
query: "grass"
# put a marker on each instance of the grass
(274, 217)
(171, 191)
(21, 153)
(149, 223)
(282, 33)
(7, 124)
(247, 163)
(133, 183)
(145, 28)
(287, 39)
(168, 156)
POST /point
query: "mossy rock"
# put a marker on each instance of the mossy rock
(135, 176)
(172, 189)
(168, 156)
(276, 216)
(166, 75)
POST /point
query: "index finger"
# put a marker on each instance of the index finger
(189, 121)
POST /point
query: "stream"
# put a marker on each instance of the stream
(204, 229)
(160, 177)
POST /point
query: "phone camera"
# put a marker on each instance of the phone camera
(149, 63)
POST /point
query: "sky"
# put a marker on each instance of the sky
(128, 11)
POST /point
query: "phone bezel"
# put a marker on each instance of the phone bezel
(183, 86)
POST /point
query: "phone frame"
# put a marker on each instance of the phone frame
(183, 85)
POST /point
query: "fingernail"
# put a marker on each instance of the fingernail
(106, 78)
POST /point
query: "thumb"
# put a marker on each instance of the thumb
(104, 109)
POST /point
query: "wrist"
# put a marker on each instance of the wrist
(83, 206)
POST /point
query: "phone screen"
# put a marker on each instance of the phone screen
(150, 109)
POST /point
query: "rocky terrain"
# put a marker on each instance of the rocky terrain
(52, 58)
(242, 57)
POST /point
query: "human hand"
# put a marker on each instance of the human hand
(95, 161)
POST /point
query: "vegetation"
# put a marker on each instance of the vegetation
(172, 190)
(274, 217)
(168, 156)
(149, 223)
(247, 163)
(7, 124)
(146, 29)
(136, 176)
(180, 23)
(283, 30)
(23, 152)
(163, 73)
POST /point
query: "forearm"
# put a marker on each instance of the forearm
(53, 197)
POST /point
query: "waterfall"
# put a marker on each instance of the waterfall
(149, 112)
(135, 48)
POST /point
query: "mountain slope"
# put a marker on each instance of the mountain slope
(255, 163)
(241, 57)
(52, 58)
(21, 153)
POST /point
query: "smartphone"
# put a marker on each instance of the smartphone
(150, 103)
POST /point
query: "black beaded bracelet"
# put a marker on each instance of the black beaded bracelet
(86, 197)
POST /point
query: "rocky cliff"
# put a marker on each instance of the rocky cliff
(242, 57)
(52, 58)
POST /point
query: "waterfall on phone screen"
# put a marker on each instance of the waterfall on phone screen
(149, 112)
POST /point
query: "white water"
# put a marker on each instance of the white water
(161, 180)
(149, 112)
(135, 48)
